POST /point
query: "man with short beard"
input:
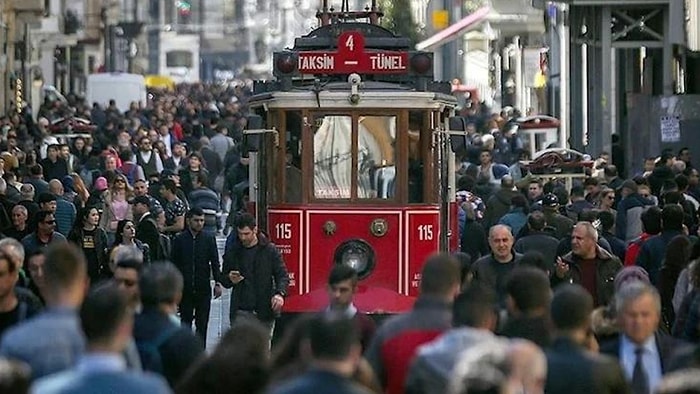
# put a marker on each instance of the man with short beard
(492, 270)
(141, 188)
(588, 264)
(147, 158)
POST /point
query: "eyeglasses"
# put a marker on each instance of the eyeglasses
(644, 195)
(50, 222)
(610, 197)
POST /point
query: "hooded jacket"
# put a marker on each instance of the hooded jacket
(628, 223)
(497, 206)
(432, 366)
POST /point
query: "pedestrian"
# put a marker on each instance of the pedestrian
(492, 270)
(196, 256)
(335, 352)
(253, 267)
(106, 321)
(56, 331)
(239, 364)
(92, 240)
(644, 354)
(395, 343)
(474, 319)
(571, 368)
(342, 286)
(588, 265)
(164, 345)
(44, 234)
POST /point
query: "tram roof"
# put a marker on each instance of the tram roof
(339, 99)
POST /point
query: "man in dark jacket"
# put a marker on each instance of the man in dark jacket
(628, 223)
(254, 268)
(588, 264)
(195, 253)
(550, 207)
(499, 203)
(161, 285)
(335, 353)
(492, 270)
(644, 354)
(207, 200)
(570, 368)
(146, 227)
(653, 251)
(529, 296)
(537, 239)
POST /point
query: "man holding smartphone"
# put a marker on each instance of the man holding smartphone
(255, 270)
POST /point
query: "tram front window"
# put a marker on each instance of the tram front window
(332, 157)
(376, 157)
(375, 152)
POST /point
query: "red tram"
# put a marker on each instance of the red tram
(351, 161)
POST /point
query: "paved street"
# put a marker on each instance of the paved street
(218, 317)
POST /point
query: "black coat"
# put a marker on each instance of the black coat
(269, 277)
(539, 242)
(673, 352)
(178, 353)
(572, 370)
(147, 232)
(197, 257)
(607, 266)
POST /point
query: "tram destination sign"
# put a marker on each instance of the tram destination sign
(351, 57)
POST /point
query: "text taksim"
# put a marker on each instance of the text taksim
(316, 62)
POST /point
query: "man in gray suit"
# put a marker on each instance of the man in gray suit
(107, 321)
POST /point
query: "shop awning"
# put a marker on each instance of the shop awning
(455, 31)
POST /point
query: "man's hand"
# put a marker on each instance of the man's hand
(218, 290)
(235, 277)
(561, 268)
(277, 303)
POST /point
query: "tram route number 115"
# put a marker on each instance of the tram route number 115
(425, 232)
(283, 230)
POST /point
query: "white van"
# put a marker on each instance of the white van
(123, 88)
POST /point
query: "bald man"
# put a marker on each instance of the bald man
(65, 211)
(492, 270)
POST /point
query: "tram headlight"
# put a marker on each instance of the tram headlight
(421, 63)
(286, 63)
(358, 255)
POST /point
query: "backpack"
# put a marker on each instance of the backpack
(149, 350)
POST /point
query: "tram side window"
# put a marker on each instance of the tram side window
(376, 157)
(415, 158)
(293, 172)
(332, 157)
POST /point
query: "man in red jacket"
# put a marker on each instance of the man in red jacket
(396, 341)
(651, 224)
